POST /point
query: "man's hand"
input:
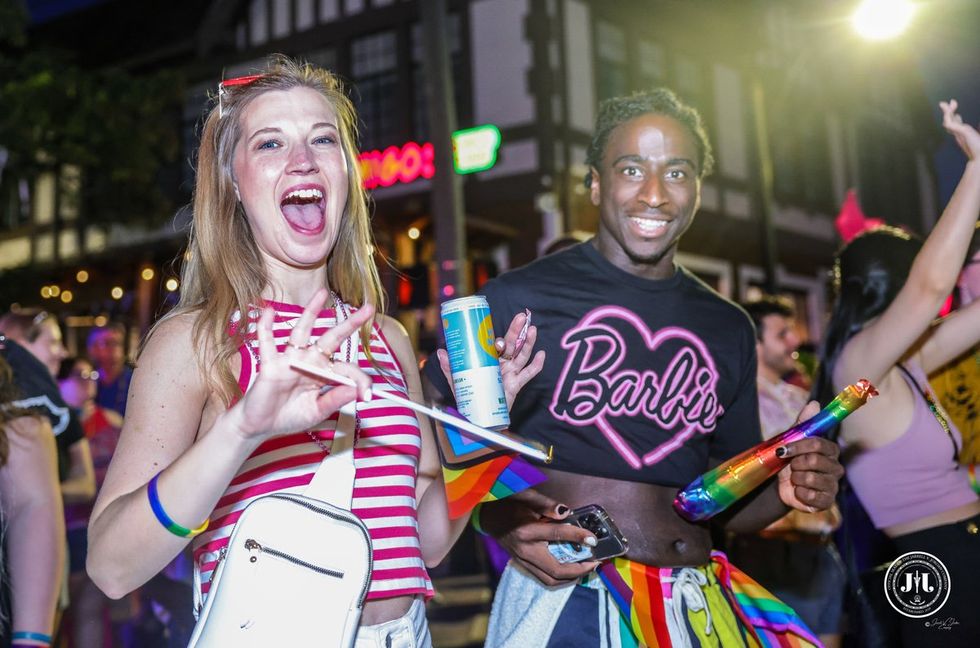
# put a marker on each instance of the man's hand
(524, 524)
(517, 366)
(809, 483)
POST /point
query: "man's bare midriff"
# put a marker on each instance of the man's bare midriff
(643, 512)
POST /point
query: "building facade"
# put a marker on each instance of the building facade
(536, 70)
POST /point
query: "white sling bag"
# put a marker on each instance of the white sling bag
(297, 567)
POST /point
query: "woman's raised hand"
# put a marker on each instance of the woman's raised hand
(966, 135)
(284, 400)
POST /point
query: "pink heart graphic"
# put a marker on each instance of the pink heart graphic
(593, 389)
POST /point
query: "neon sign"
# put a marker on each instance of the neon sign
(474, 149)
(406, 163)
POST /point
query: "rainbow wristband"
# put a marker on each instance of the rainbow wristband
(475, 519)
(31, 638)
(972, 469)
(164, 519)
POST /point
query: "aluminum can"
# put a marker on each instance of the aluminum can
(473, 361)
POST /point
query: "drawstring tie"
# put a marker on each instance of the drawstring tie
(686, 590)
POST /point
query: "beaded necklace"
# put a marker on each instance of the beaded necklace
(340, 308)
(340, 314)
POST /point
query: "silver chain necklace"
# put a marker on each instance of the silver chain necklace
(340, 308)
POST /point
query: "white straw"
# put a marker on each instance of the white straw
(445, 417)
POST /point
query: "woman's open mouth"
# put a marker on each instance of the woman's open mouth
(304, 209)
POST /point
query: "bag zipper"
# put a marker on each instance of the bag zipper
(350, 518)
(253, 545)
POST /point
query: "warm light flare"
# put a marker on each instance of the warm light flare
(879, 20)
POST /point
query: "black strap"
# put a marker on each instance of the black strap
(934, 408)
(873, 629)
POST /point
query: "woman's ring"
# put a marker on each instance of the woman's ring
(324, 353)
(308, 344)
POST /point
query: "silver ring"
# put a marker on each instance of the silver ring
(308, 344)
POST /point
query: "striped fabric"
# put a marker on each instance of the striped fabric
(639, 594)
(645, 597)
(775, 623)
(386, 455)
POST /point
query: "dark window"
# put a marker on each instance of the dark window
(374, 64)
(800, 156)
(420, 96)
(612, 75)
(652, 64)
(15, 202)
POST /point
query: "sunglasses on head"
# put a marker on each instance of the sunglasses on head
(232, 83)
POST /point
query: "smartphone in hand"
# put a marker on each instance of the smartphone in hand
(593, 518)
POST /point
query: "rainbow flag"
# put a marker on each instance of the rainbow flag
(475, 471)
(639, 591)
(639, 594)
(776, 624)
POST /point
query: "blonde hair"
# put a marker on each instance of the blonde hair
(223, 272)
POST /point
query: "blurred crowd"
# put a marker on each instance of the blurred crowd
(62, 419)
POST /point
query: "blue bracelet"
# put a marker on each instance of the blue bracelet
(164, 519)
(31, 636)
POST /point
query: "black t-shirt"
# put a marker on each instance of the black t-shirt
(643, 380)
(40, 394)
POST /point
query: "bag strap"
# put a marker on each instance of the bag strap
(333, 481)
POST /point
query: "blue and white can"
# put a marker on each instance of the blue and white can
(473, 360)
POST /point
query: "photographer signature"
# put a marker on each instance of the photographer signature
(942, 624)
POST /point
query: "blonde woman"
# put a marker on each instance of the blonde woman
(279, 269)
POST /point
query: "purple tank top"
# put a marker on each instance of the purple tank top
(915, 475)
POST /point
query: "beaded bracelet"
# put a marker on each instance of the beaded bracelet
(973, 478)
(25, 638)
(164, 519)
(475, 519)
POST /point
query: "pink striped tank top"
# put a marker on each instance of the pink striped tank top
(386, 455)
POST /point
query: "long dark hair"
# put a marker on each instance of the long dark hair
(868, 273)
(8, 393)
